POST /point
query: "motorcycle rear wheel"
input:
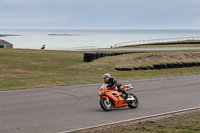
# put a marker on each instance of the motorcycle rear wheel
(133, 104)
(107, 106)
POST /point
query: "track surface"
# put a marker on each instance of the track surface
(51, 110)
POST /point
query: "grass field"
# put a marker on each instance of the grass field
(25, 69)
(181, 123)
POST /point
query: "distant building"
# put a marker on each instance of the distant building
(5, 44)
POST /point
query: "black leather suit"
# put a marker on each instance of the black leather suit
(112, 83)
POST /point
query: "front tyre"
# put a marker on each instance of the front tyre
(134, 103)
(107, 106)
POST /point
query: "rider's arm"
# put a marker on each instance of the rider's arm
(114, 83)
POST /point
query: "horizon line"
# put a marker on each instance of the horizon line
(89, 28)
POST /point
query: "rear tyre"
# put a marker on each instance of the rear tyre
(107, 106)
(134, 103)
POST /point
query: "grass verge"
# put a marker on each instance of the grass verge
(187, 123)
(25, 69)
(176, 123)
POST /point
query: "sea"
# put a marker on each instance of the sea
(66, 39)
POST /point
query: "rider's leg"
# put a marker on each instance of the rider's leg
(121, 89)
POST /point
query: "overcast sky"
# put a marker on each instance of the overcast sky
(134, 14)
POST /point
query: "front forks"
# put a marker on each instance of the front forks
(107, 99)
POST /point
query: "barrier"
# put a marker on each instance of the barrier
(185, 64)
(180, 65)
(175, 65)
(119, 69)
(88, 57)
(157, 66)
(150, 67)
(190, 64)
(195, 64)
(127, 69)
(169, 65)
(143, 68)
(163, 66)
(102, 55)
(136, 68)
(97, 55)
(124, 69)
(92, 56)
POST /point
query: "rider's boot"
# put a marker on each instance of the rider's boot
(126, 95)
(124, 92)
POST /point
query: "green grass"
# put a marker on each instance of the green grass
(185, 123)
(25, 69)
(157, 57)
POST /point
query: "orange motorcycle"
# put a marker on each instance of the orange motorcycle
(110, 99)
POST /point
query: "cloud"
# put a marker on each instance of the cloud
(196, 21)
(27, 2)
(195, 1)
(18, 2)
(100, 13)
(31, 17)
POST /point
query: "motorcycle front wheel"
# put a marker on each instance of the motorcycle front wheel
(107, 106)
(134, 103)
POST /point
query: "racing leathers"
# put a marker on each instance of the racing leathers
(112, 83)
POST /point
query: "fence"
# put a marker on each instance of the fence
(155, 41)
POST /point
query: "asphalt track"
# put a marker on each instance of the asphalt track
(58, 109)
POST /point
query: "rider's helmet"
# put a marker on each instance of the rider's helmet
(106, 77)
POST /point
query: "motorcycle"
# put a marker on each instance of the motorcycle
(110, 99)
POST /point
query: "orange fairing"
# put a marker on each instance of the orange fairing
(127, 87)
(103, 89)
(113, 95)
(110, 98)
(107, 98)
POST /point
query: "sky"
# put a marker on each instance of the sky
(114, 14)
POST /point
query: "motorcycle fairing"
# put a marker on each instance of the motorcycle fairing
(116, 98)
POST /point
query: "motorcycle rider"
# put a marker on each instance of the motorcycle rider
(112, 83)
